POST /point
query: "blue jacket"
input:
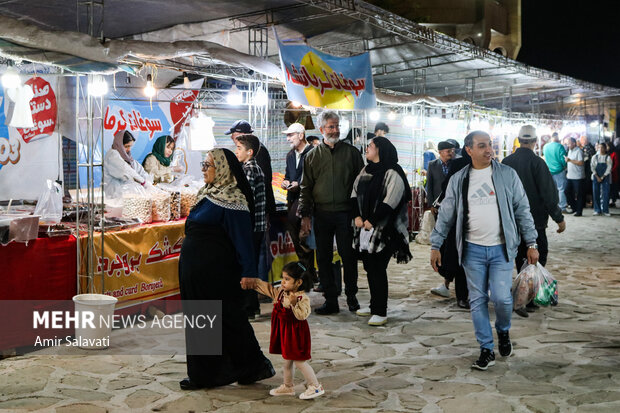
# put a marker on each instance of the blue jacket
(514, 210)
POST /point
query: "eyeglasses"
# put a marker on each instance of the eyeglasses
(206, 165)
(332, 127)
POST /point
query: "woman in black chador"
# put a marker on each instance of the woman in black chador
(216, 258)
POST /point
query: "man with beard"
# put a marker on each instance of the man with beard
(328, 175)
(296, 137)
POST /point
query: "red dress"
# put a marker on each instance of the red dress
(289, 336)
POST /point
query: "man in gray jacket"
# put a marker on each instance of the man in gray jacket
(492, 213)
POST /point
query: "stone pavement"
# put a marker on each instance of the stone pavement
(567, 358)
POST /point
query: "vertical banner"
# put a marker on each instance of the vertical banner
(317, 79)
(29, 156)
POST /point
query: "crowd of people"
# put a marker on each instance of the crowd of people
(491, 217)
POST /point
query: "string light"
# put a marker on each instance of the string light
(234, 95)
(260, 97)
(98, 86)
(374, 116)
(149, 90)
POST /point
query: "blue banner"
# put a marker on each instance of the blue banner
(317, 79)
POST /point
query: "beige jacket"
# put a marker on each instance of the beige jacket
(160, 172)
(301, 309)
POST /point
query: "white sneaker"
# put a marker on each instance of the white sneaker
(364, 312)
(596, 214)
(377, 320)
(607, 214)
(283, 390)
(312, 392)
(442, 291)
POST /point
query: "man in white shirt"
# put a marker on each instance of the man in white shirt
(575, 174)
(491, 210)
(296, 137)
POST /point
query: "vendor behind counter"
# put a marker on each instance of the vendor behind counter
(157, 163)
(120, 167)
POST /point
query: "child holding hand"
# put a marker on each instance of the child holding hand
(290, 334)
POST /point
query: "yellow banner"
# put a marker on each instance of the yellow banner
(139, 264)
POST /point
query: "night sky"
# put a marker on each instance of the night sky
(577, 38)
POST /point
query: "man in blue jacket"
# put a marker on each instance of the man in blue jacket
(492, 213)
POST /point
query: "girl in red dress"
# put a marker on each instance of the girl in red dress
(290, 335)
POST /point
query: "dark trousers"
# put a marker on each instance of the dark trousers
(376, 270)
(574, 194)
(326, 225)
(250, 297)
(293, 227)
(450, 269)
(543, 250)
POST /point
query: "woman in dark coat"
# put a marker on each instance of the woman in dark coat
(217, 257)
(380, 196)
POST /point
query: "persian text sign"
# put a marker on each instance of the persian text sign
(44, 110)
(321, 80)
(140, 264)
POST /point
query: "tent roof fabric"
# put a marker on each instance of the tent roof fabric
(407, 58)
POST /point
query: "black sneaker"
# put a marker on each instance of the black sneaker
(263, 371)
(353, 304)
(531, 307)
(505, 346)
(327, 309)
(487, 359)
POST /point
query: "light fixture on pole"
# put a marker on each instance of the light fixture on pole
(97, 86)
(149, 90)
(10, 78)
(234, 96)
(186, 83)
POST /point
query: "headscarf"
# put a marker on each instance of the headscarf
(120, 147)
(159, 150)
(230, 188)
(373, 190)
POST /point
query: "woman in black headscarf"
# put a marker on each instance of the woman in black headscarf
(380, 196)
(217, 259)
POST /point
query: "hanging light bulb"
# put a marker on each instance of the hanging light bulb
(296, 104)
(186, 83)
(149, 90)
(98, 86)
(374, 116)
(260, 97)
(10, 78)
(409, 121)
(392, 115)
(234, 95)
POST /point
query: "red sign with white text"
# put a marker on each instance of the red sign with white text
(44, 110)
(181, 108)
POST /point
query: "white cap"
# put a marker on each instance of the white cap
(527, 133)
(295, 128)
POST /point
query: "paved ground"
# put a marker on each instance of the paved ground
(567, 358)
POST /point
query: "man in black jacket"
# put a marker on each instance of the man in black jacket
(296, 137)
(541, 193)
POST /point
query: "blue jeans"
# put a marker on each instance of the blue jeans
(600, 190)
(560, 182)
(488, 268)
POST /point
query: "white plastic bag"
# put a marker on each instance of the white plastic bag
(365, 236)
(428, 223)
(136, 203)
(49, 205)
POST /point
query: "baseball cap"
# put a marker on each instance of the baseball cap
(445, 145)
(527, 133)
(295, 128)
(240, 126)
